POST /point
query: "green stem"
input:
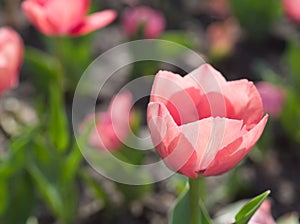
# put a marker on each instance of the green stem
(194, 194)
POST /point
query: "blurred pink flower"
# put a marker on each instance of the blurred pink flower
(112, 127)
(219, 8)
(292, 9)
(149, 20)
(65, 17)
(272, 97)
(222, 37)
(263, 214)
(201, 123)
(11, 57)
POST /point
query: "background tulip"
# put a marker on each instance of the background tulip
(112, 127)
(272, 97)
(202, 124)
(11, 56)
(263, 214)
(145, 19)
(65, 17)
(292, 9)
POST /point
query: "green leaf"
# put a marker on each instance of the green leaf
(248, 210)
(45, 165)
(20, 198)
(94, 185)
(266, 14)
(179, 37)
(3, 195)
(180, 213)
(42, 68)
(292, 57)
(71, 164)
(58, 124)
(290, 115)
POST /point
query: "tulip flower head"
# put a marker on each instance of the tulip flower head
(292, 9)
(272, 98)
(65, 17)
(11, 56)
(112, 127)
(202, 124)
(145, 19)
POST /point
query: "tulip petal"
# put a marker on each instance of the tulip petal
(94, 22)
(37, 16)
(162, 127)
(119, 113)
(233, 153)
(180, 96)
(208, 136)
(64, 15)
(176, 151)
(211, 84)
(244, 102)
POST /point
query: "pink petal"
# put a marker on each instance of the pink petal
(11, 56)
(244, 102)
(120, 114)
(182, 157)
(8, 79)
(178, 94)
(37, 16)
(233, 153)
(94, 22)
(208, 136)
(176, 151)
(161, 125)
(291, 8)
(263, 214)
(65, 15)
(211, 84)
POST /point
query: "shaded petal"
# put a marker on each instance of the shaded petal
(94, 22)
(233, 153)
(243, 102)
(8, 79)
(211, 84)
(182, 157)
(161, 125)
(208, 136)
(178, 94)
(37, 16)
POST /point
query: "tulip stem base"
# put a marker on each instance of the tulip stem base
(194, 196)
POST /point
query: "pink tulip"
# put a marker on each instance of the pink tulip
(112, 126)
(65, 17)
(263, 214)
(292, 9)
(11, 56)
(201, 123)
(222, 37)
(151, 22)
(272, 97)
